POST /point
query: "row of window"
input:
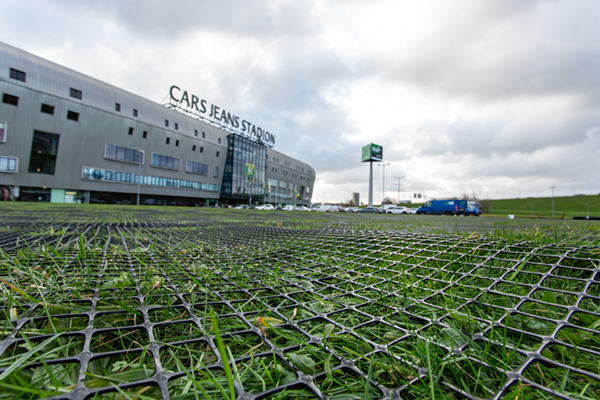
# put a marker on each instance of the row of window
(96, 174)
(287, 164)
(135, 156)
(74, 116)
(77, 94)
(168, 140)
(294, 176)
(46, 108)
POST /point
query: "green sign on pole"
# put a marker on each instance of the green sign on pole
(372, 152)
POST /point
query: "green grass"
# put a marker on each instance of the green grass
(232, 302)
(568, 206)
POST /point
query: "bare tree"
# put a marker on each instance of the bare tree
(389, 200)
(470, 197)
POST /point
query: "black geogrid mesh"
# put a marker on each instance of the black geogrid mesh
(304, 313)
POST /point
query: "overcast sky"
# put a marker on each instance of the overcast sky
(500, 97)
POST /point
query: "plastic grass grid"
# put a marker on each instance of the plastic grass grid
(313, 312)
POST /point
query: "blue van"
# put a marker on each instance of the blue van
(473, 208)
(450, 207)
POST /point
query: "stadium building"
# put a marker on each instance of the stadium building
(68, 138)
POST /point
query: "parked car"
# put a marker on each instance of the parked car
(242, 207)
(324, 207)
(97, 201)
(398, 210)
(352, 209)
(265, 207)
(371, 210)
(412, 210)
(288, 208)
(302, 208)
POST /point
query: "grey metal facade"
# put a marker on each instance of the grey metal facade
(108, 115)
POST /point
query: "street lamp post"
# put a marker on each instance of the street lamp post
(588, 208)
(139, 159)
(399, 186)
(553, 187)
(532, 209)
(383, 199)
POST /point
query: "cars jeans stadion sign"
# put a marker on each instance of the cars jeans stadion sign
(194, 105)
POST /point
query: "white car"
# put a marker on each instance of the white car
(412, 210)
(288, 208)
(398, 210)
(302, 208)
(265, 207)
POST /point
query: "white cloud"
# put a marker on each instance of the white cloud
(467, 95)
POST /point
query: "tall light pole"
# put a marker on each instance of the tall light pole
(383, 165)
(588, 208)
(552, 187)
(139, 159)
(532, 209)
(399, 186)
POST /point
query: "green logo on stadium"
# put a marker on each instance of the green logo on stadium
(250, 172)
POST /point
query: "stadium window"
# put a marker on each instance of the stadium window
(177, 143)
(2, 131)
(130, 130)
(8, 164)
(217, 154)
(135, 113)
(203, 135)
(18, 75)
(201, 149)
(77, 94)
(176, 126)
(219, 140)
(166, 162)
(47, 109)
(117, 107)
(72, 115)
(145, 134)
(167, 123)
(216, 172)
(43, 153)
(119, 153)
(196, 168)
(168, 140)
(10, 99)
(196, 132)
(194, 148)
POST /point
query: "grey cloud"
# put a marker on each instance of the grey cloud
(501, 50)
(162, 20)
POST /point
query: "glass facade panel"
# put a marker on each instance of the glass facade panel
(96, 174)
(244, 174)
